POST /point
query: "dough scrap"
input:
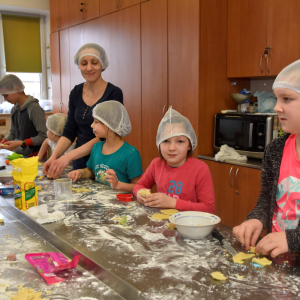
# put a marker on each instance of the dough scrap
(80, 190)
(1, 220)
(27, 294)
(252, 249)
(40, 163)
(240, 257)
(160, 217)
(218, 276)
(41, 177)
(262, 261)
(172, 226)
(123, 220)
(286, 261)
(39, 187)
(240, 277)
(144, 192)
(169, 212)
(117, 218)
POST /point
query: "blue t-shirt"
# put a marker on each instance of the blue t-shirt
(126, 162)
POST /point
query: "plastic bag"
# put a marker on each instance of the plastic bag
(266, 102)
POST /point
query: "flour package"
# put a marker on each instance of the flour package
(24, 173)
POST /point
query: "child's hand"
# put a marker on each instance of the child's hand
(160, 200)
(273, 244)
(139, 198)
(111, 177)
(74, 175)
(248, 232)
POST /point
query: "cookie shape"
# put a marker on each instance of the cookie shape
(218, 276)
(169, 212)
(160, 217)
(172, 226)
(262, 261)
(240, 257)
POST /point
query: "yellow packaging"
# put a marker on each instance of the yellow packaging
(24, 172)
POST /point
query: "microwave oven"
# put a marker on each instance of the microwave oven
(248, 134)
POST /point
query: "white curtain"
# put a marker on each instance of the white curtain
(2, 55)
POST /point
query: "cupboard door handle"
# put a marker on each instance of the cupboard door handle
(235, 178)
(269, 48)
(163, 110)
(230, 176)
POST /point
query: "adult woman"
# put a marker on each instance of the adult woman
(92, 61)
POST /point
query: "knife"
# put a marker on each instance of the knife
(217, 235)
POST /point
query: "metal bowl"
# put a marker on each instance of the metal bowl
(194, 224)
(240, 98)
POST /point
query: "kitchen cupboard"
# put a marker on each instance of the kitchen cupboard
(55, 71)
(237, 189)
(154, 43)
(263, 36)
(110, 6)
(58, 14)
(82, 10)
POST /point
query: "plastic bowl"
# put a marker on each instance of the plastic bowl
(240, 98)
(124, 197)
(194, 224)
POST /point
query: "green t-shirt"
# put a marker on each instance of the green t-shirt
(126, 162)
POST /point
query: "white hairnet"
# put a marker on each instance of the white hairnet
(175, 124)
(93, 50)
(114, 115)
(11, 84)
(289, 77)
(56, 123)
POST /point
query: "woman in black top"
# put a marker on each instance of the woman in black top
(92, 61)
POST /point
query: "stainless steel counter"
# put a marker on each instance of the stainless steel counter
(146, 260)
(250, 163)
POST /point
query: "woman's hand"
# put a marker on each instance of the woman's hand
(273, 244)
(111, 177)
(57, 166)
(11, 145)
(75, 175)
(248, 232)
(160, 200)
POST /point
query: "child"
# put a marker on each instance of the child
(28, 123)
(183, 182)
(277, 206)
(55, 125)
(113, 161)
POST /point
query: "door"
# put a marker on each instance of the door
(82, 11)
(154, 73)
(183, 48)
(247, 31)
(119, 34)
(64, 69)
(283, 34)
(110, 6)
(55, 71)
(63, 15)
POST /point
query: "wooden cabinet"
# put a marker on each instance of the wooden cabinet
(110, 6)
(262, 36)
(59, 14)
(183, 48)
(154, 73)
(236, 191)
(55, 71)
(82, 10)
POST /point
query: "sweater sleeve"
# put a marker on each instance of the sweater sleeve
(71, 127)
(11, 135)
(148, 179)
(261, 209)
(205, 194)
(37, 116)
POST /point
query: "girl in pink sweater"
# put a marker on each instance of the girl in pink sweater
(182, 182)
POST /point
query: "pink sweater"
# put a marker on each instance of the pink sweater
(191, 184)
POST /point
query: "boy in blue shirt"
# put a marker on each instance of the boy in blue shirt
(113, 162)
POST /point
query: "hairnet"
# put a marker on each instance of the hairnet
(289, 77)
(175, 124)
(11, 84)
(93, 50)
(56, 123)
(114, 115)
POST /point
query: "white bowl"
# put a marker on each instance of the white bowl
(194, 224)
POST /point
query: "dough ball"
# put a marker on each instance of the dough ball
(144, 192)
